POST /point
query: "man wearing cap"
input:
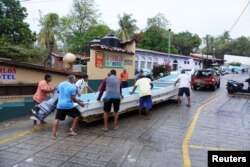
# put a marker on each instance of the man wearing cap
(124, 78)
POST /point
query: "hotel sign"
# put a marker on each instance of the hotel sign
(7, 73)
(113, 60)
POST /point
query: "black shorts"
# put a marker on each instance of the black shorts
(73, 112)
(184, 90)
(109, 102)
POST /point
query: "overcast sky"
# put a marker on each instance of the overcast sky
(203, 17)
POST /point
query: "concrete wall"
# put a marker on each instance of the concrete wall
(27, 75)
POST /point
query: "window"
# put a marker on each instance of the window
(136, 65)
(196, 63)
(185, 62)
(142, 64)
(149, 65)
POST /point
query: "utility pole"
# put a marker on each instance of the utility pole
(207, 51)
(169, 33)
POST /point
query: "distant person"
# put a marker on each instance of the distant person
(139, 75)
(81, 84)
(65, 106)
(113, 96)
(42, 93)
(185, 83)
(124, 78)
(145, 85)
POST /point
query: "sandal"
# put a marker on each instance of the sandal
(72, 133)
(188, 105)
(105, 129)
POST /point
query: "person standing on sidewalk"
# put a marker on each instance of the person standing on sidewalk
(185, 82)
(124, 78)
(42, 93)
(145, 85)
(65, 106)
(112, 86)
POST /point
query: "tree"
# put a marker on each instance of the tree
(16, 38)
(158, 21)
(241, 46)
(186, 42)
(46, 37)
(13, 29)
(73, 27)
(155, 37)
(127, 27)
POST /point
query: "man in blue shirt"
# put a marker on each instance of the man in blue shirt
(65, 106)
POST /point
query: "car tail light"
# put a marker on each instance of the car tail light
(212, 79)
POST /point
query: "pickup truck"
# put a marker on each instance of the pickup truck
(205, 78)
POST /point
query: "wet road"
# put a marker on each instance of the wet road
(172, 137)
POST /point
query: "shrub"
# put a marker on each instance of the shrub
(162, 68)
(235, 64)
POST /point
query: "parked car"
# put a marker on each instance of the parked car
(205, 78)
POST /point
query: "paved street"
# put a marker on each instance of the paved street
(172, 137)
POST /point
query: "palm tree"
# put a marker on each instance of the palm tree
(127, 26)
(46, 36)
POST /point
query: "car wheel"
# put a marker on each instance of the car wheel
(195, 87)
(218, 85)
(213, 87)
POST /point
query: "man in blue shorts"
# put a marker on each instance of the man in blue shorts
(145, 85)
(184, 80)
(65, 106)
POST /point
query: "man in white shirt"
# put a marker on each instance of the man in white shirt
(145, 85)
(185, 83)
(81, 84)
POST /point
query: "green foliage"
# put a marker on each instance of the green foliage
(127, 27)
(158, 21)
(223, 44)
(155, 37)
(21, 53)
(49, 24)
(73, 28)
(163, 68)
(186, 42)
(235, 64)
(13, 29)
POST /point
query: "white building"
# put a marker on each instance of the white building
(145, 59)
(245, 61)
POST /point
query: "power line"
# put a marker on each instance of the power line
(239, 16)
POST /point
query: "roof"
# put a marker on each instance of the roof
(38, 67)
(205, 57)
(110, 48)
(161, 53)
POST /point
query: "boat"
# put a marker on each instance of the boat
(163, 90)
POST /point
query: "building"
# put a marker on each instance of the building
(110, 53)
(245, 61)
(146, 59)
